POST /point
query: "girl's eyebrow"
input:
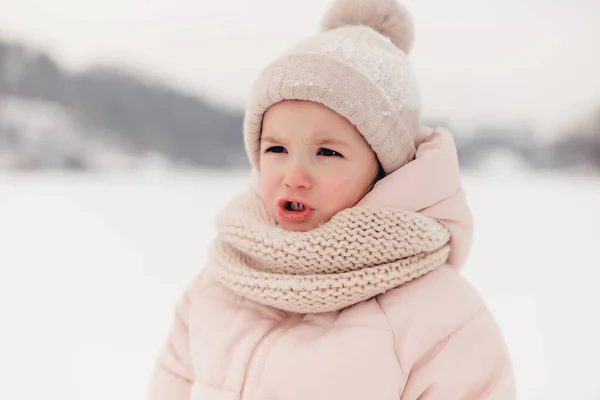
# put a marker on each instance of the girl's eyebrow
(329, 141)
(317, 140)
(269, 139)
(326, 140)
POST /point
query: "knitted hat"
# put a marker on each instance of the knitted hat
(358, 67)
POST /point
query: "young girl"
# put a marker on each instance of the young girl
(336, 276)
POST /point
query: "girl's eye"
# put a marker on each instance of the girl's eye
(276, 149)
(329, 153)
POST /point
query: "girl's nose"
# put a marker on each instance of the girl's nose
(298, 177)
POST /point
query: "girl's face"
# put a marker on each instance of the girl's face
(313, 164)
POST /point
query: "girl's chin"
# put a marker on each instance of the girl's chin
(296, 226)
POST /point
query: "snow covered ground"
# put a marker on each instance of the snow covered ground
(91, 266)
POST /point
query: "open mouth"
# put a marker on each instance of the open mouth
(294, 210)
(294, 206)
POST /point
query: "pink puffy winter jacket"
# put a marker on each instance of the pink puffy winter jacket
(432, 338)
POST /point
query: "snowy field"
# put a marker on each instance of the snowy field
(91, 266)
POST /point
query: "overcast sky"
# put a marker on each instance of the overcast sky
(534, 61)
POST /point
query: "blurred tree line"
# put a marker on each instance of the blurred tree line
(125, 110)
(581, 144)
(50, 117)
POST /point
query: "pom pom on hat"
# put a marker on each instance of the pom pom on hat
(388, 17)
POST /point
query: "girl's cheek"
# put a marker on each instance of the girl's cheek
(268, 183)
(346, 190)
(337, 187)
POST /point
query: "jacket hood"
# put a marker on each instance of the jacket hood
(430, 185)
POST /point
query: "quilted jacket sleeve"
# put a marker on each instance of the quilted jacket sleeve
(172, 377)
(472, 363)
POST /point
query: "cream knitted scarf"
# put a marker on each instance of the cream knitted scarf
(360, 253)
